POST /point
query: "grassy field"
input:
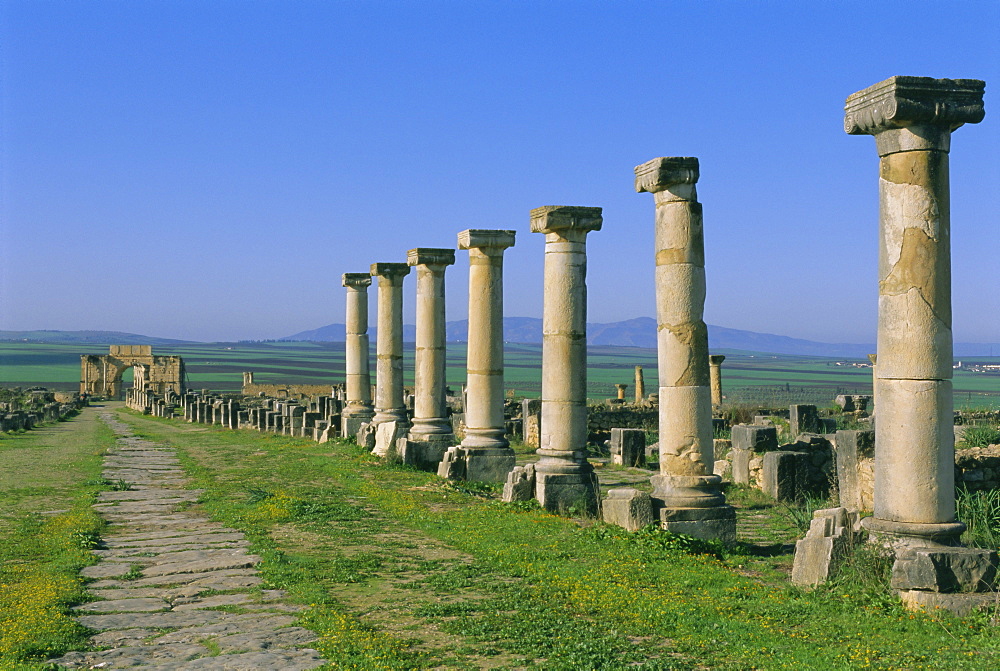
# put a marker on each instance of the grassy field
(747, 377)
(402, 570)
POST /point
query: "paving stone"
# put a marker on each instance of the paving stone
(235, 624)
(105, 570)
(136, 605)
(129, 656)
(166, 620)
(164, 541)
(191, 603)
(271, 660)
(280, 638)
(121, 637)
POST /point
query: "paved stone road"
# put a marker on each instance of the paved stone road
(187, 565)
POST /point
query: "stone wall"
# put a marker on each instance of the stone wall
(978, 468)
(300, 391)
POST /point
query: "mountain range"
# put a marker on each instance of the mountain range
(639, 332)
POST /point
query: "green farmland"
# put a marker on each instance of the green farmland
(748, 377)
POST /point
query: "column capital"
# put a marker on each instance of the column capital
(899, 102)
(716, 359)
(357, 280)
(565, 218)
(665, 172)
(427, 256)
(390, 271)
(487, 239)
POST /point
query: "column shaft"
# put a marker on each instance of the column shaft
(358, 376)
(389, 404)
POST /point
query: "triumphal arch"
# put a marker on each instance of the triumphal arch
(101, 375)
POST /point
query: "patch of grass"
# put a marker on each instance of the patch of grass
(981, 436)
(981, 513)
(511, 587)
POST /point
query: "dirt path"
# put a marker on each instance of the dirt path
(179, 591)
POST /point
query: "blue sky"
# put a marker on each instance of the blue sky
(208, 170)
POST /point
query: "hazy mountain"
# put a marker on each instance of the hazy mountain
(86, 337)
(641, 332)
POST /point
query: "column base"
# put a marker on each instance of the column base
(693, 505)
(484, 464)
(386, 435)
(424, 451)
(350, 423)
(568, 493)
(912, 535)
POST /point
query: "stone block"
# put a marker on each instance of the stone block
(489, 464)
(721, 468)
(832, 533)
(576, 493)
(452, 466)
(628, 508)
(755, 438)
(715, 523)
(366, 436)
(785, 474)
(803, 418)
(945, 569)
(740, 460)
(628, 447)
(959, 605)
(520, 484)
(386, 435)
(852, 446)
(721, 447)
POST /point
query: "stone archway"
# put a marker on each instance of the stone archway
(101, 375)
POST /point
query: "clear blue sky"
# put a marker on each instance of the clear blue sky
(208, 170)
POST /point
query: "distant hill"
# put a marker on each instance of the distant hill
(641, 332)
(86, 337)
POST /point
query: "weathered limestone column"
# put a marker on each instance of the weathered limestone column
(564, 477)
(485, 453)
(359, 395)
(912, 119)
(686, 490)
(715, 377)
(389, 405)
(431, 426)
(620, 390)
(873, 358)
(640, 387)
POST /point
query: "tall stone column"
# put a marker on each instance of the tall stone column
(686, 491)
(715, 377)
(640, 386)
(389, 404)
(485, 453)
(431, 427)
(359, 395)
(564, 477)
(912, 119)
(873, 358)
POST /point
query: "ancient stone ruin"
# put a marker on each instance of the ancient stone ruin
(101, 375)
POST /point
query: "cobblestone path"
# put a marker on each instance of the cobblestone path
(164, 572)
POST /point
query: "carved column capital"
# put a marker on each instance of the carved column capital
(394, 272)
(357, 280)
(427, 256)
(562, 219)
(486, 240)
(929, 109)
(674, 174)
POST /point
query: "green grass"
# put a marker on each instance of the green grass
(753, 378)
(47, 527)
(402, 570)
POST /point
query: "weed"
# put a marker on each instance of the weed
(980, 511)
(981, 436)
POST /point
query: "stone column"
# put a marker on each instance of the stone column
(873, 358)
(389, 406)
(431, 426)
(620, 391)
(640, 387)
(912, 119)
(686, 491)
(485, 452)
(564, 477)
(715, 377)
(359, 379)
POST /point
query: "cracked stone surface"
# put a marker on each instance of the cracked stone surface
(189, 567)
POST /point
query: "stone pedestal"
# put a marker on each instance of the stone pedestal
(564, 477)
(431, 433)
(715, 378)
(389, 405)
(359, 397)
(686, 492)
(484, 453)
